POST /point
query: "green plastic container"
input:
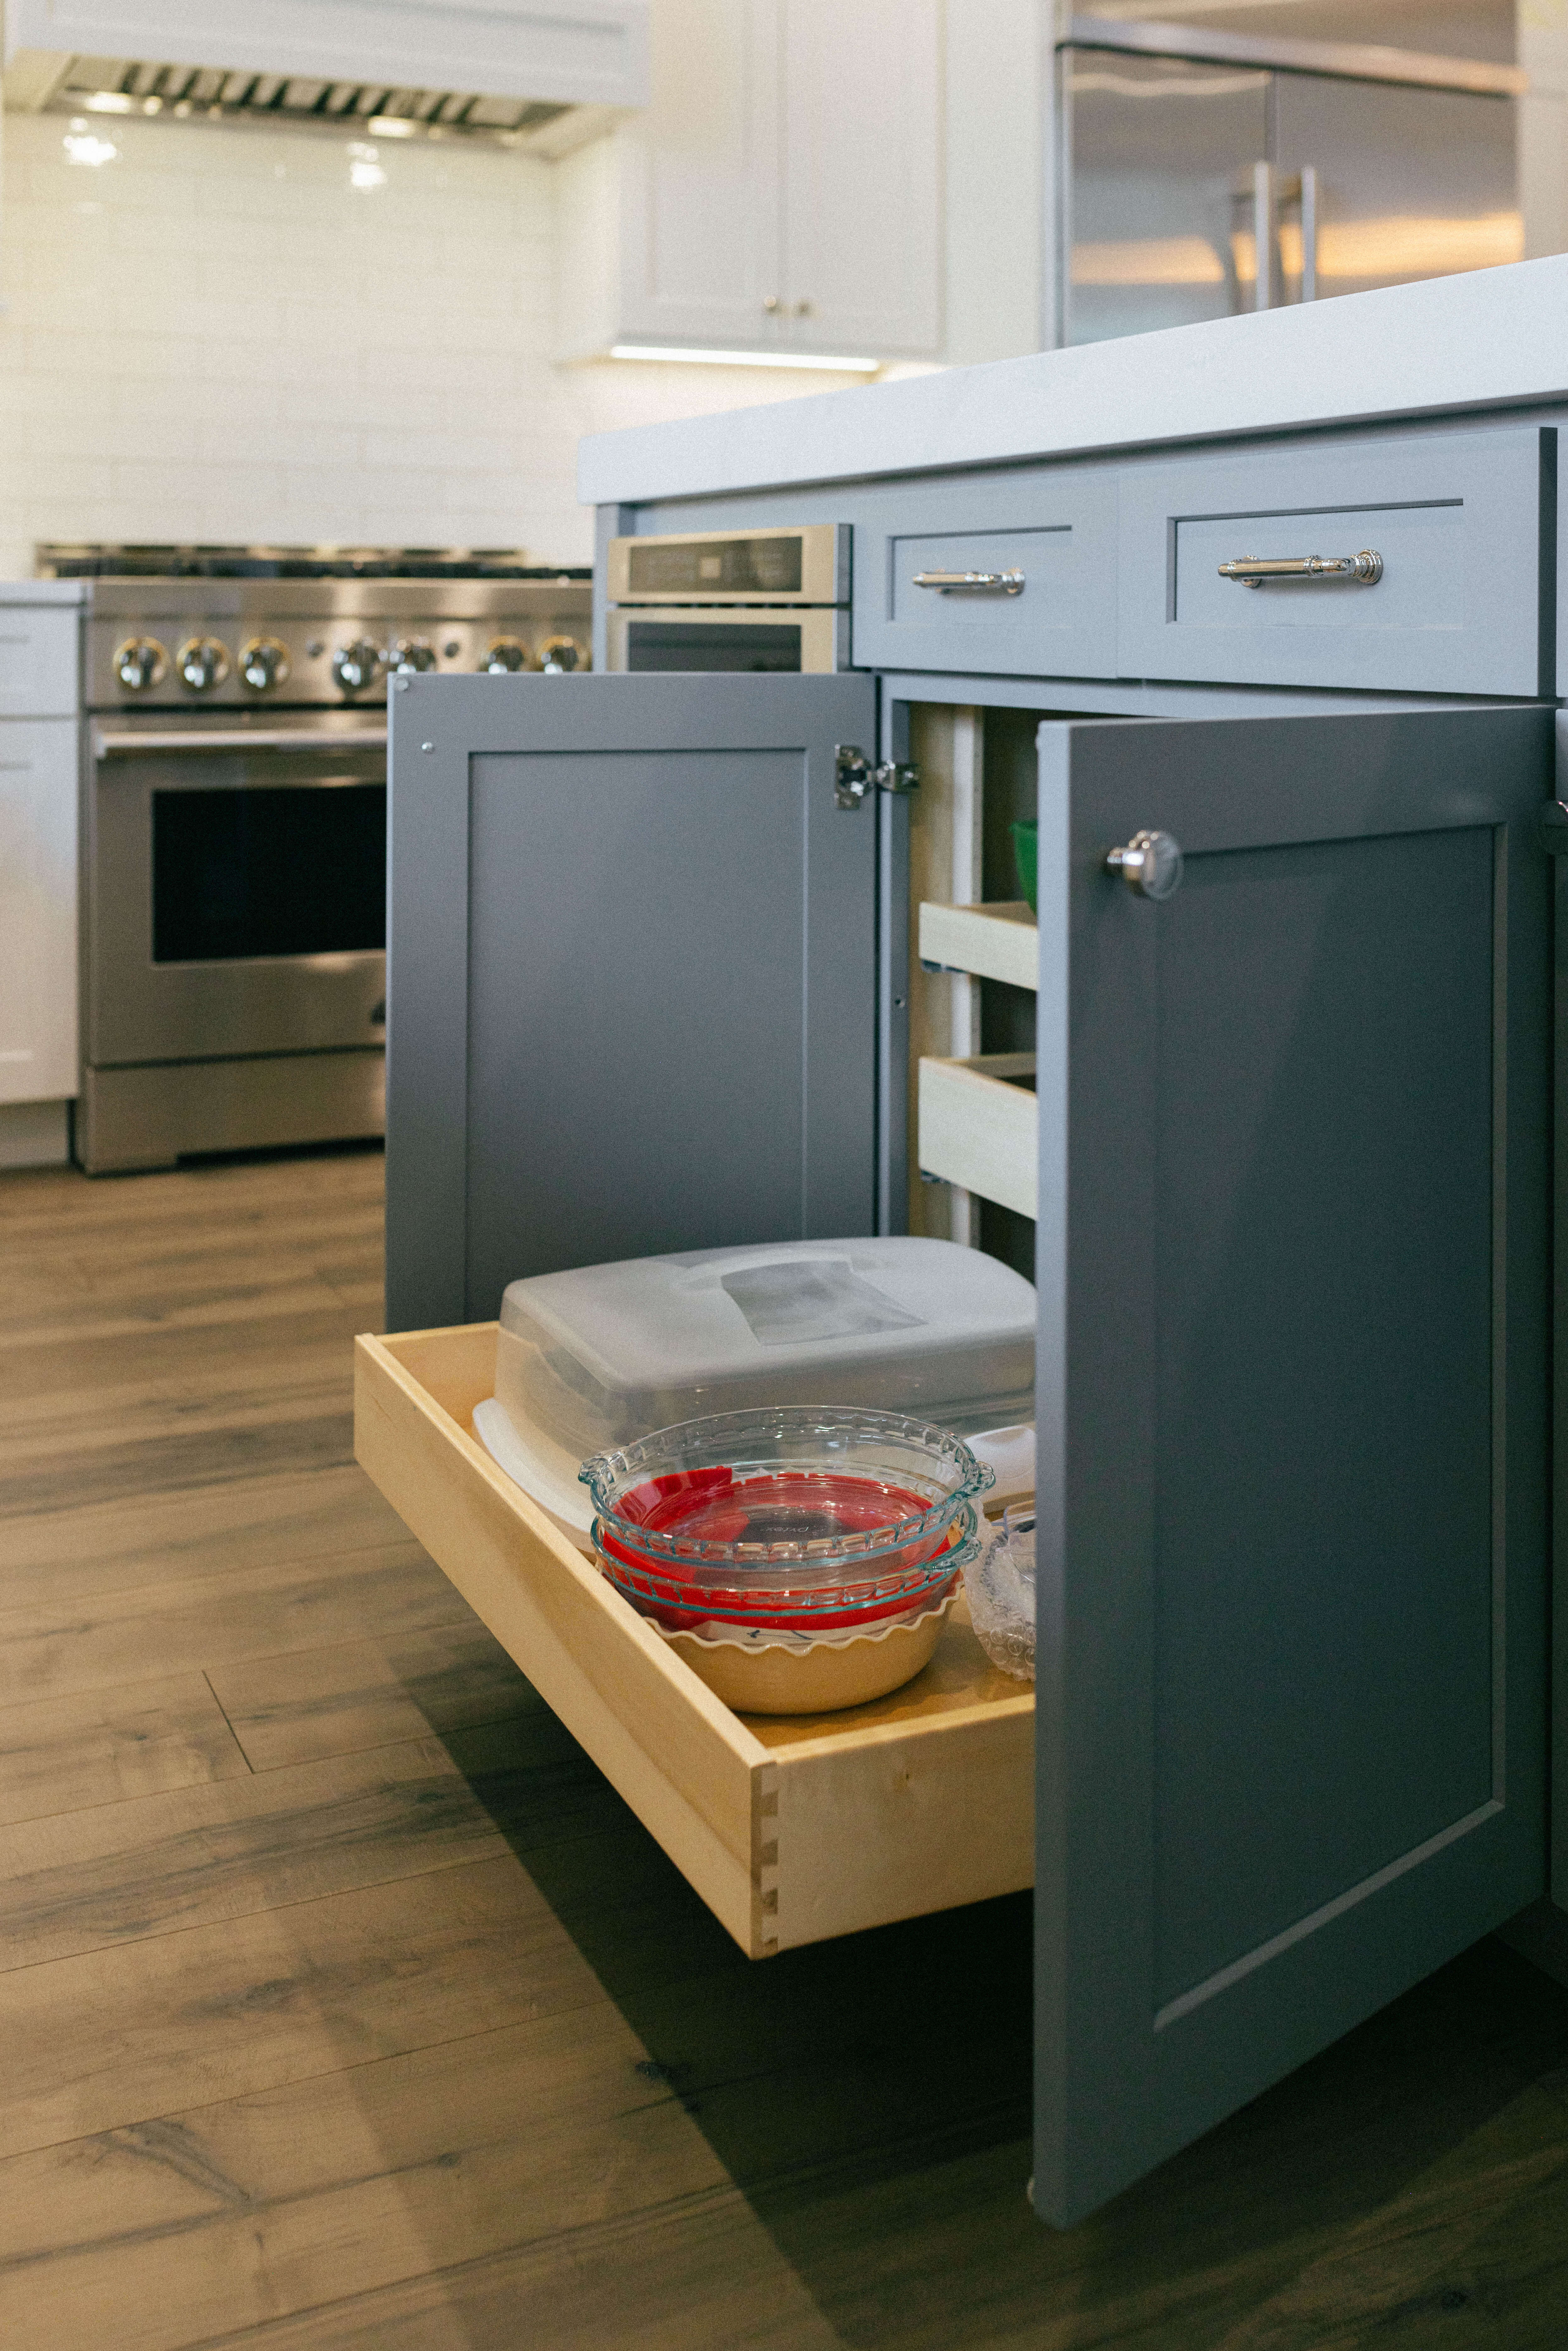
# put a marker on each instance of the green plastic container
(1026, 856)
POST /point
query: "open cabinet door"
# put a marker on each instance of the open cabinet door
(632, 975)
(1292, 1394)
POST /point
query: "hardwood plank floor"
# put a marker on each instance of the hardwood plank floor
(68, 1754)
(86, 1642)
(334, 1701)
(343, 2007)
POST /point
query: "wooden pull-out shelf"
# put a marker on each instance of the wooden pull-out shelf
(791, 1828)
(978, 1126)
(992, 942)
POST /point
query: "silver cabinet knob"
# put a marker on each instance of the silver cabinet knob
(415, 653)
(264, 663)
(771, 303)
(1150, 864)
(356, 665)
(140, 663)
(505, 655)
(202, 664)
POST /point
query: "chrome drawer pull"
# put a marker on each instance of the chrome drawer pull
(972, 583)
(1252, 570)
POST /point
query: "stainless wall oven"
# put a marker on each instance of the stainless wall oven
(758, 601)
(234, 830)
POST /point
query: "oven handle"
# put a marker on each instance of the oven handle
(110, 746)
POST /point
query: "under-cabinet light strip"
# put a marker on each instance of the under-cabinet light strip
(744, 358)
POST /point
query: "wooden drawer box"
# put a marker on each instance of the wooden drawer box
(791, 1829)
(1455, 517)
(993, 942)
(980, 1127)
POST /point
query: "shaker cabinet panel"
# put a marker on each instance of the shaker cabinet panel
(1010, 576)
(862, 172)
(780, 193)
(39, 1051)
(1293, 1195)
(700, 190)
(632, 980)
(1458, 525)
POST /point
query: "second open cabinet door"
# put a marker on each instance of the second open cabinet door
(632, 975)
(1293, 1398)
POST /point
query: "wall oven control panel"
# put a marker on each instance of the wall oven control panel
(774, 600)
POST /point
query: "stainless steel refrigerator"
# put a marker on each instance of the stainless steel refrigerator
(1202, 172)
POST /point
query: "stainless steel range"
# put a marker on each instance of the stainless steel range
(234, 824)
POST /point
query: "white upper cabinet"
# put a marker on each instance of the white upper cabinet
(781, 192)
(699, 177)
(859, 263)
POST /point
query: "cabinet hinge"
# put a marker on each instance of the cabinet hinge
(855, 775)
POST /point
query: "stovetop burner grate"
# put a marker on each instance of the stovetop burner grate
(150, 561)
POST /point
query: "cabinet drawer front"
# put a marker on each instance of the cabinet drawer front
(1058, 534)
(791, 1828)
(1456, 519)
(38, 661)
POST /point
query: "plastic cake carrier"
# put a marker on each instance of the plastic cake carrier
(598, 1357)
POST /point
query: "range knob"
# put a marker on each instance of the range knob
(506, 653)
(357, 665)
(411, 653)
(264, 662)
(140, 663)
(202, 662)
(560, 655)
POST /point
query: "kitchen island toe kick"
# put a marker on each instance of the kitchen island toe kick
(791, 1828)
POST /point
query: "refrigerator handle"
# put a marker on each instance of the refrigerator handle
(1264, 237)
(1270, 192)
(1309, 202)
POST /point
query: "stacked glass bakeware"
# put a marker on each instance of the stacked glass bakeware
(802, 1520)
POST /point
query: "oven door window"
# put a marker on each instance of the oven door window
(698, 644)
(268, 870)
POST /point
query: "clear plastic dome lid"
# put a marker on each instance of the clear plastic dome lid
(604, 1355)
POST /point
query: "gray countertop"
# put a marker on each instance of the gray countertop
(1491, 338)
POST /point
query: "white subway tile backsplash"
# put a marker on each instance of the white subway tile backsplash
(434, 448)
(216, 337)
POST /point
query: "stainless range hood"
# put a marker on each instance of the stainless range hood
(543, 77)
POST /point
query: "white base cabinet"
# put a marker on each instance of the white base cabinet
(781, 193)
(35, 1135)
(38, 909)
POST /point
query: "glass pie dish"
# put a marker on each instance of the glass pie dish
(823, 1601)
(750, 1497)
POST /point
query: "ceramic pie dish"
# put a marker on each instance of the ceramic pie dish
(769, 1671)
